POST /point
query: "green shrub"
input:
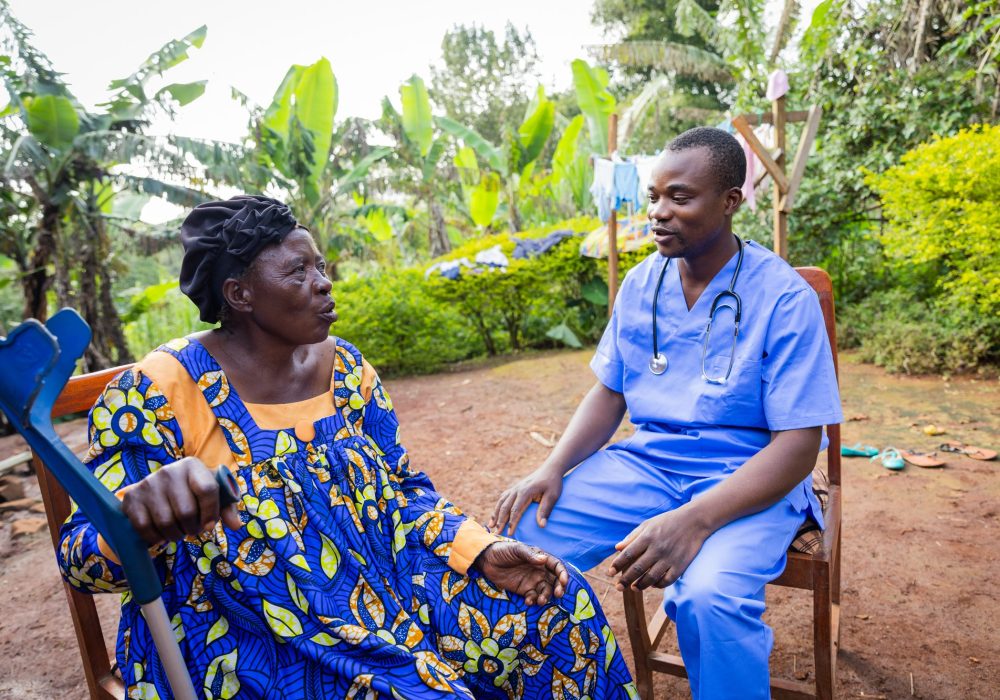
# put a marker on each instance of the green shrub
(903, 334)
(519, 307)
(940, 202)
(398, 326)
(168, 316)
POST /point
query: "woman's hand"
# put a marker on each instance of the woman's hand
(540, 486)
(656, 553)
(178, 499)
(528, 571)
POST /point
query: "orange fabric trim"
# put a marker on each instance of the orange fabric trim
(203, 438)
(281, 416)
(470, 540)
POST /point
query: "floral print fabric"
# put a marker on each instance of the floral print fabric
(338, 584)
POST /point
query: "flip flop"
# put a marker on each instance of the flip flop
(928, 460)
(858, 450)
(968, 450)
(890, 459)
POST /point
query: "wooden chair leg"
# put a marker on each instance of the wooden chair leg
(101, 683)
(635, 622)
(823, 644)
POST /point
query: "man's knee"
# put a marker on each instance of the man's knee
(712, 598)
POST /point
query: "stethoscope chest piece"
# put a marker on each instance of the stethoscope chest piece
(658, 363)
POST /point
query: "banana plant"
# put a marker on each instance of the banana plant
(480, 188)
(66, 159)
(293, 142)
(571, 169)
(419, 147)
(510, 162)
(595, 102)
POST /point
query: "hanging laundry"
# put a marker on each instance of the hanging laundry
(626, 185)
(644, 167)
(777, 84)
(603, 188)
(615, 183)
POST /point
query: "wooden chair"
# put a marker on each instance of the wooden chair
(103, 683)
(818, 572)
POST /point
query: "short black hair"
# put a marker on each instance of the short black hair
(725, 155)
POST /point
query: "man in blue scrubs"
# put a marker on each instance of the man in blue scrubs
(706, 496)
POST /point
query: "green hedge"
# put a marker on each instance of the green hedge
(405, 322)
(398, 326)
(912, 336)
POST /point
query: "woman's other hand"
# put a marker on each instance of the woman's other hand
(177, 500)
(541, 486)
(527, 571)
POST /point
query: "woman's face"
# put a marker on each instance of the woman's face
(289, 291)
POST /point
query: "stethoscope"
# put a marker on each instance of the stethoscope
(726, 299)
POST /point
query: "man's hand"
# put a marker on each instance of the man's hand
(528, 571)
(658, 551)
(176, 500)
(540, 486)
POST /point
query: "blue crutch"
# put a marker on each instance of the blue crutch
(36, 361)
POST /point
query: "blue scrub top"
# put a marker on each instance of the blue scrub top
(782, 377)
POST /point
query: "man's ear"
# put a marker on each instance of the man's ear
(734, 198)
(238, 294)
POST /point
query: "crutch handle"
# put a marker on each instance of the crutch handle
(229, 490)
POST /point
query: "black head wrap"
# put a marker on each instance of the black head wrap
(220, 241)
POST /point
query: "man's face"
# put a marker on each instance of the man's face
(687, 212)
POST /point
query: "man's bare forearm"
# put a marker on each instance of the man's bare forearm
(762, 481)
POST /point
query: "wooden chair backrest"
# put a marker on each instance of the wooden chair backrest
(821, 283)
(79, 395)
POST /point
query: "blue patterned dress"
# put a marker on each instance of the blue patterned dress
(338, 585)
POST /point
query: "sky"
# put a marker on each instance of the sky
(372, 46)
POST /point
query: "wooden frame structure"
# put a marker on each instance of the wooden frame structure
(818, 572)
(102, 682)
(785, 186)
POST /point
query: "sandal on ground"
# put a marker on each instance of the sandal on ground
(858, 450)
(890, 459)
(968, 450)
(928, 460)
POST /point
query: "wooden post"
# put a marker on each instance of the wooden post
(780, 215)
(775, 160)
(612, 223)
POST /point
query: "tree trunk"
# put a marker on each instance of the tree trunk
(35, 284)
(918, 41)
(107, 346)
(436, 232)
(513, 215)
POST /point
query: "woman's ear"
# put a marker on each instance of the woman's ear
(238, 294)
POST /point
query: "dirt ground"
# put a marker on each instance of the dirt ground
(921, 564)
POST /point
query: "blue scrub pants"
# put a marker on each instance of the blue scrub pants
(718, 602)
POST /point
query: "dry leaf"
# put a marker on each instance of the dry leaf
(858, 416)
(541, 439)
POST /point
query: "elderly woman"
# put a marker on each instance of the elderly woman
(341, 573)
